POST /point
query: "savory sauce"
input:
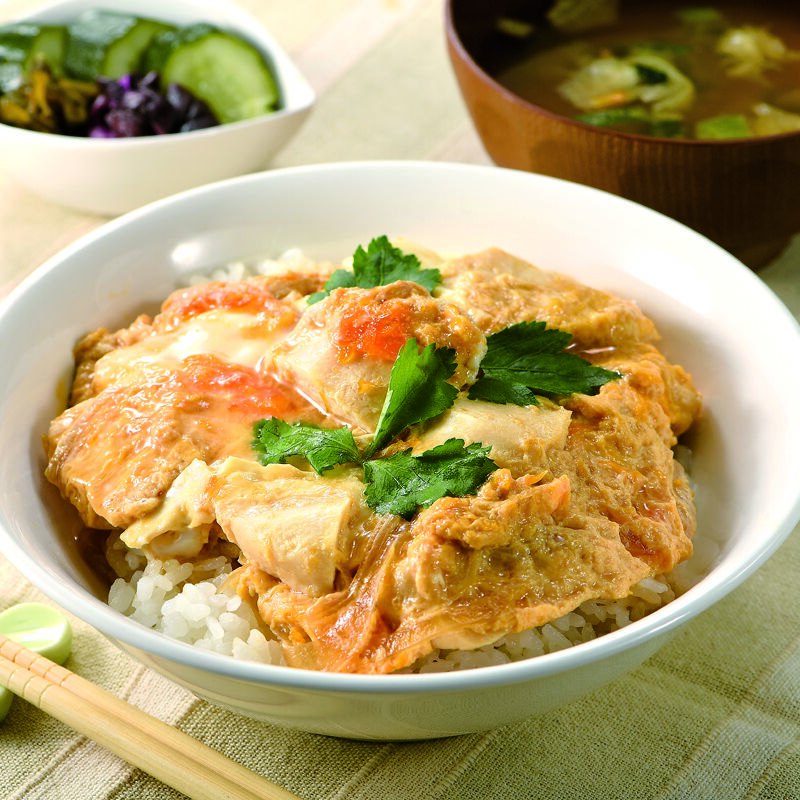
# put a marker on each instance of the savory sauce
(668, 70)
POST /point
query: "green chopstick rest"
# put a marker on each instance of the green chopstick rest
(40, 628)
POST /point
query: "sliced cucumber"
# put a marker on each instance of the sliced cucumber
(16, 40)
(126, 54)
(89, 38)
(21, 42)
(109, 44)
(51, 45)
(163, 44)
(226, 72)
(11, 74)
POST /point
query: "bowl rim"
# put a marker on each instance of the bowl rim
(458, 47)
(296, 93)
(709, 590)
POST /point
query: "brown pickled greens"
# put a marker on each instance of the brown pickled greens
(49, 103)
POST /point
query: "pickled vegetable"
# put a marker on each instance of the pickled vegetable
(226, 72)
(48, 103)
(110, 74)
(135, 106)
(109, 44)
(22, 43)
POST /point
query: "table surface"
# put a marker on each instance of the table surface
(713, 715)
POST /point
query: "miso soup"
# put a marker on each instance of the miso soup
(664, 69)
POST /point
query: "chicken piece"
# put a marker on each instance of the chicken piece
(428, 259)
(92, 347)
(521, 437)
(341, 352)
(239, 322)
(157, 395)
(467, 571)
(619, 457)
(497, 289)
(252, 296)
(181, 525)
(293, 525)
(651, 379)
(294, 281)
(115, 455)
(625, 472)
(238, 338)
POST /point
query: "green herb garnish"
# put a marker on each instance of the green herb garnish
(494, 390)
(418, 390)
(520, 361)
(379, 265)
(402, 482)
(275, 441)
(530, 356)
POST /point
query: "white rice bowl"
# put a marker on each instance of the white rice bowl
(717, 319)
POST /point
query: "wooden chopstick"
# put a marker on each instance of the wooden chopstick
(162, 751)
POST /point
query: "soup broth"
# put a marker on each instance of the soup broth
(665, 70)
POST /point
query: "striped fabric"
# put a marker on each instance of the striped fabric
(715, 715)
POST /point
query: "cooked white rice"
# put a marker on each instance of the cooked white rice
(293, 259)
(190, 602)
(590, 620)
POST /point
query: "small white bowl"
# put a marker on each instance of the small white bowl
(111, 176)
(716, 317)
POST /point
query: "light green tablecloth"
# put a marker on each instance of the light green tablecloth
(715, 714)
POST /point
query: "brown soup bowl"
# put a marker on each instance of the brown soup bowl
(743, 194)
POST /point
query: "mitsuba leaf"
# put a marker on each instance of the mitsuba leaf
(418, 390)
(509, 345)
(561, 374)
(497, 391)
(520, 361)
(275, 440)
(402, 482)
(380, 264)
(529, 354)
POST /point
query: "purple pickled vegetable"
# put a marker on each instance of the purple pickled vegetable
(179, 98)
(198, 123)
(165, 119)
(135, 106)
(101, 132)
(112, 91)
(197, 108)
(100, 105)
(135, 100)
(126, 122)
(150, 81)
